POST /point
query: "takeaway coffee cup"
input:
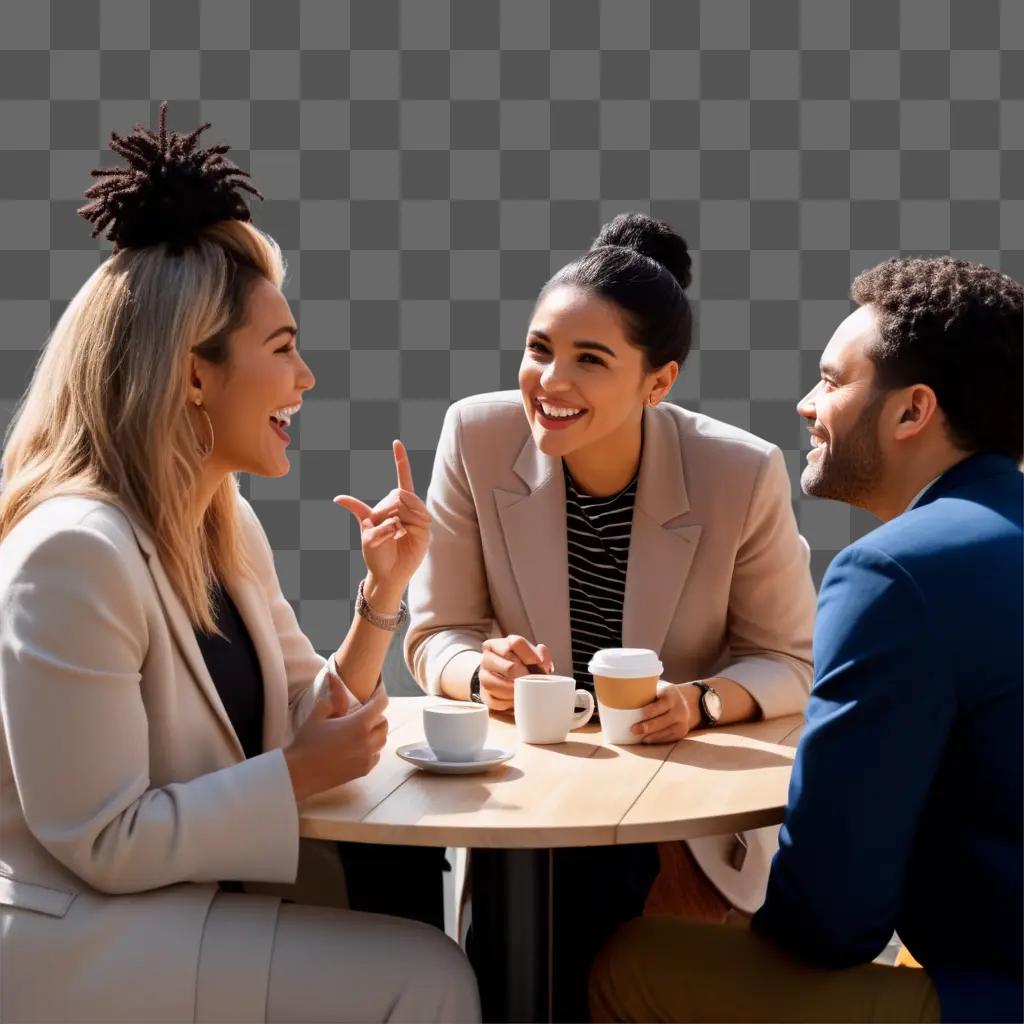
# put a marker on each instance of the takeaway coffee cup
(545, 707)
(626, 681)
(456, 731)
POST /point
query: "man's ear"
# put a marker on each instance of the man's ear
(917, 407)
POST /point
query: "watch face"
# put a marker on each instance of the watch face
(712, 705)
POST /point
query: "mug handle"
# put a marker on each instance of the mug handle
(582, 717)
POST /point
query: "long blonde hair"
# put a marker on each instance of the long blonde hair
(106, 412)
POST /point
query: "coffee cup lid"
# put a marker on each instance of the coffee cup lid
(625, 662)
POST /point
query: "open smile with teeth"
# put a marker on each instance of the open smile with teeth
(280, 419)
(559, 412)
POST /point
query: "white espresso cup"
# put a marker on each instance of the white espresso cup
(456, 731)
(626, 680)
(545, 708)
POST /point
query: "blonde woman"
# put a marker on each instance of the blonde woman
(162, 710)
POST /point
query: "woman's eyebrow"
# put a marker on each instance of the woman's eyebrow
(596, 346)
(593, 345)
(287, 329)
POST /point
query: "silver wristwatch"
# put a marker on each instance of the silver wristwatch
(392, 623)
(710, 703)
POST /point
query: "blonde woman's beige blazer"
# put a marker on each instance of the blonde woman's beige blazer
(126, 795)
(718, 579)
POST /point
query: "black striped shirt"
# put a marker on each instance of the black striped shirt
(598, 531)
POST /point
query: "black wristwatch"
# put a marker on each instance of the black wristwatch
(710, 703)
(474, 687)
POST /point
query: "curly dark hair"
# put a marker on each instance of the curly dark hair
(959, 328)
(642, 266)
(169, 191)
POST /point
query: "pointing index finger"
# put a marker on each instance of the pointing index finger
(402, 466)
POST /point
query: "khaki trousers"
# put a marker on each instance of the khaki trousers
(669, 969)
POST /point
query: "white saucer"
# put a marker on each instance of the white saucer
(423, 757)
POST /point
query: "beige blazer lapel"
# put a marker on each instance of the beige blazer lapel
(184, 636)
(661, 549)
(534, 529)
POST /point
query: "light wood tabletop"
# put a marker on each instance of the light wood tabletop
(579, 793)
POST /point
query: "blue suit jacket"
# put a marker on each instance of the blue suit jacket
(905, 807)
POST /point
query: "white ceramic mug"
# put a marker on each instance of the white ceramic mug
(456, 731)
(545, 708)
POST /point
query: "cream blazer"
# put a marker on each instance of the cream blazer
(718, 579)
(125, 792)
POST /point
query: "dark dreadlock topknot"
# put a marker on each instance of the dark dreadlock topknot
(169, 191)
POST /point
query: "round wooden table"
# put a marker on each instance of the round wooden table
(583, 792)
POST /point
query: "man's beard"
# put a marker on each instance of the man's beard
(850, 470)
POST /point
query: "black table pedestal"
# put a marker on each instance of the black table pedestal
(511, 933)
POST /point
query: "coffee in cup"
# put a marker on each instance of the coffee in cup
(456, 731)
(626, 681)
(545, 707)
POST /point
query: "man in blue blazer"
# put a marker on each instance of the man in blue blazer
(905, 807)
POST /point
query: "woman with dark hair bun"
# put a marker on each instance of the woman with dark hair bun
(583, 512)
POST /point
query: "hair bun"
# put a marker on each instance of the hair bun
(652, 238)
(169, 191)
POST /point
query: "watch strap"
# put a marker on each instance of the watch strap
(705, 688)
(474, 687)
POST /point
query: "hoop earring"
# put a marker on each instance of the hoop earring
(205, 450)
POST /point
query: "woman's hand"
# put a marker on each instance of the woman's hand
(394, 532)
(670, 716)
(505, 660)
(341, 740)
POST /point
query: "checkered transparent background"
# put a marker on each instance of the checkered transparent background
(428, 163)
